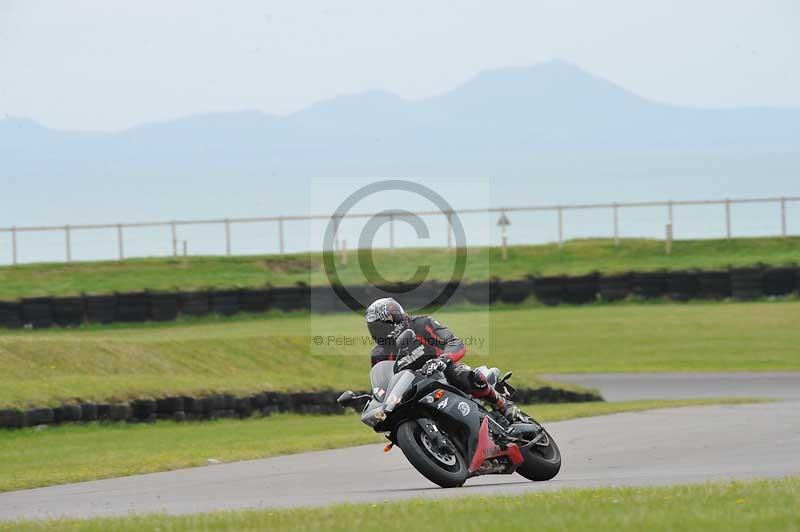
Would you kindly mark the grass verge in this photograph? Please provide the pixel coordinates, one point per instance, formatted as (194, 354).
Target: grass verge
(255, 353)
(722, 506)
(59, 455)
(576, 257)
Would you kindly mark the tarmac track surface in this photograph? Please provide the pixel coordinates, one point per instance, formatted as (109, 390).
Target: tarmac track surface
(658, 447)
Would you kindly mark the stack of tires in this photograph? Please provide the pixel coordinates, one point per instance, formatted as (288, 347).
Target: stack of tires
(615, 287)
(682, 285)
(100, 308)
(582, 289)
(254, 300)
(69, 311)
(163, 306)
(10, 314)
(516, 291)
(194, 303)
(290, 298)
(482, 292)
(415, 298)
(714, 284)
(747, 283)
(224, 302)
(132, 307)
(37, 312)
(650, 285)
(780, 281)
(549, 290)
(325, 299)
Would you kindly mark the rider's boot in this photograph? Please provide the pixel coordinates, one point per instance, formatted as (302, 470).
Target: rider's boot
(503, 405)
(499, 403)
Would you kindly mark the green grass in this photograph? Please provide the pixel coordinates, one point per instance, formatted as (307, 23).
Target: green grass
(256, 353)
(57, 455)
(576, 257)
(721, 506)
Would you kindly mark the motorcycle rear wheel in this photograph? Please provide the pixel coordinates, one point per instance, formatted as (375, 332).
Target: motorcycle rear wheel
(446, 471)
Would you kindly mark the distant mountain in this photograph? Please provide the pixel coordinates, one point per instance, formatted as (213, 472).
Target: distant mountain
(549, 133)
(498, 116)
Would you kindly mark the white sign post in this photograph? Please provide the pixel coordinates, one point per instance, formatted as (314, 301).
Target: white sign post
(504, 222)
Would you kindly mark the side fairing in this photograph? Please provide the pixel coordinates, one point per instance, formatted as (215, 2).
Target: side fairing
(458, 409)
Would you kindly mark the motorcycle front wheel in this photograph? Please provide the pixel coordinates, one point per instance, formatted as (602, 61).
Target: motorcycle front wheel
(446, 469)
(542, 460)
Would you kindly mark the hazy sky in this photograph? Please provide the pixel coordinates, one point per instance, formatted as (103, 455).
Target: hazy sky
(108, 65)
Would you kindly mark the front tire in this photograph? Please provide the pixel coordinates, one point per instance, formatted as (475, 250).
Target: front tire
(542, 462)
(447, 471)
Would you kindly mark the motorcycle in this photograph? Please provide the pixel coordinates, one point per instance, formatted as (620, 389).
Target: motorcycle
(447, 435)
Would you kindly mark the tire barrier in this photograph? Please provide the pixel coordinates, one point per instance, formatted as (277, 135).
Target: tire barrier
(324, 300)
(780, 281)
(163, 306)
(615, 287)
(650, 285)
(548, 290)
(132, 307)
(682, 286)
(714, 285)
(747, 283)
(254, 300)
(742, 284)
(482, 292)
(194, 303)
(101, 308)
(88, 412)
(224, 302)
(10, 314)
(184, 408)
(291, 297)
(37, 312)
(581, 290)
(68, 311)
(515, 291)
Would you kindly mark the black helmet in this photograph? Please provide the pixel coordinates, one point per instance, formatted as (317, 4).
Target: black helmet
(386, 319)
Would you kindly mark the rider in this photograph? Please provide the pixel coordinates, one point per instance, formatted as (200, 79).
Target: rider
(442, 351)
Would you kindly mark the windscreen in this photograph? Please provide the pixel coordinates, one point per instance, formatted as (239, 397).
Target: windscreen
(399, 384)
(379, 376)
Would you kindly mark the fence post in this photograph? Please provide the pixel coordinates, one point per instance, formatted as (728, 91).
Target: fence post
(449, 229)
(391, 233)
(68, 242)
(728, 218)
(174, 239)
(560, 226)
(280, 234)
(336, 221)
(227, 237)
(616, 225)
(14, 246)
(668, 239)
(670, 219)
(783, 216)
(120, 243)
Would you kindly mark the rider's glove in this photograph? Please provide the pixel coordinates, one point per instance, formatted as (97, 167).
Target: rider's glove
(436, 364)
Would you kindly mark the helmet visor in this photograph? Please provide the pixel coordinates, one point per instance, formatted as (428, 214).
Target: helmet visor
(384, 330)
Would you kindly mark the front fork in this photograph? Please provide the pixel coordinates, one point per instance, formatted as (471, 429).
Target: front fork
(439, 440)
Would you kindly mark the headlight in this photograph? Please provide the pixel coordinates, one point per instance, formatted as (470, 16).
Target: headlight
(379, 415)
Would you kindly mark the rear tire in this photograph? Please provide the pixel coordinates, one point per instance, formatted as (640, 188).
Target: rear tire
(410, 438)
(541, 462)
